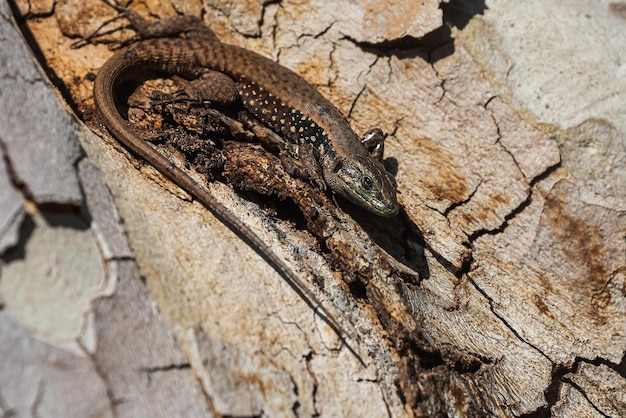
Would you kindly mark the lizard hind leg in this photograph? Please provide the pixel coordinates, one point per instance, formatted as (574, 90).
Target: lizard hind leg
(213, 88)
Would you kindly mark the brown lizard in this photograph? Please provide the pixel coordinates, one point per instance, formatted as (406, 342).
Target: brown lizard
(273, 94)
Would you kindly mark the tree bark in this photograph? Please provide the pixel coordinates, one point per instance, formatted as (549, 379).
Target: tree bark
(498, 290)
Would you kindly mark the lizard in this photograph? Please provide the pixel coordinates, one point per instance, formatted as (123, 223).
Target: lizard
(276, 96)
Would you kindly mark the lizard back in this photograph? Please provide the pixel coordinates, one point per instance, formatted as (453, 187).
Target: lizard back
(277, 96)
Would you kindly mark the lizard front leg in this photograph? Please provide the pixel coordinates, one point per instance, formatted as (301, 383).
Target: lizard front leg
(299, 161)
(305, 164)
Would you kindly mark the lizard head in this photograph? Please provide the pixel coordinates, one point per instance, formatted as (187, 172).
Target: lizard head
(366, 182)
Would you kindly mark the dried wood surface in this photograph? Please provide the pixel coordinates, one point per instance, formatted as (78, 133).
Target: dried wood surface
(499, 289)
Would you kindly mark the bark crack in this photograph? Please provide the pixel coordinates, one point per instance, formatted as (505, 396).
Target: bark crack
(502, 146)
(307, 361)
(300, 330)
(442, 85)
(461, 202)
(113, 402)
(296, 405)
(364, 86)
(584, 395)
(34, 410)
(355, 100)
(166, 368)
(162, 369)
(264, 7)
(385, 400)
(503, 320)
(331, 58)
(314, 35)
(500, 229)
(520, 208)
(12, 173)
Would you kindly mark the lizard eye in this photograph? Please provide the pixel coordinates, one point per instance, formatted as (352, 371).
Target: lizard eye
(367, 182)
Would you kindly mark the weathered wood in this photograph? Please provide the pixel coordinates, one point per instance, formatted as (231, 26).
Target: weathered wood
(35, 128)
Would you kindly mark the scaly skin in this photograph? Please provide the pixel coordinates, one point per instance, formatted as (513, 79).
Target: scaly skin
(275, 95)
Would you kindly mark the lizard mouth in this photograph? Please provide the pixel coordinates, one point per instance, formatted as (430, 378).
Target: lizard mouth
(389, 209)
(376, 202)
(383, 207)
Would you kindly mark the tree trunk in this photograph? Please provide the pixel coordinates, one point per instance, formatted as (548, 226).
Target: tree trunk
(498, 290)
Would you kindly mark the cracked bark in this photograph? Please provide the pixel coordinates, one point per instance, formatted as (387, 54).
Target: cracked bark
(498, 290)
